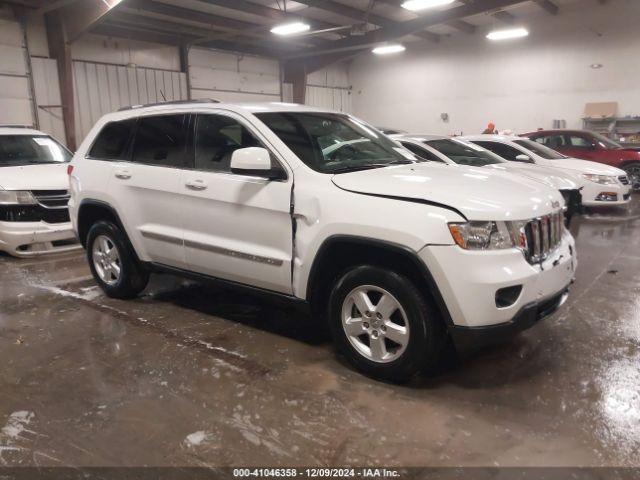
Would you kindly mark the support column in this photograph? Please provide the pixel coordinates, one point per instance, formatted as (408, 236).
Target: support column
(295, 72)
(61, 51)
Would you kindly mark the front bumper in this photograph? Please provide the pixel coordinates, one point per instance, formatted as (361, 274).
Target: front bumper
(28, 239)
(592, 194)
(527, 317)
(469, 281)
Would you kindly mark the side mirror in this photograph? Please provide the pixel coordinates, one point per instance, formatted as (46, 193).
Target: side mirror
(523, 158)
(255, 161)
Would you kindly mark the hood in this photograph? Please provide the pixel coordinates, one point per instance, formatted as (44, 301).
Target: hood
(35, 177)
(477, 193)
(552, 177)
(584, 166)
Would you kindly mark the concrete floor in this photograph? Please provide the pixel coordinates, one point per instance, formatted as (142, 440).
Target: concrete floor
(187, 375)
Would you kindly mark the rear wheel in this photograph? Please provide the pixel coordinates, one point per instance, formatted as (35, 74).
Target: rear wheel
(113, 263)
(383, 325)
(633, 172)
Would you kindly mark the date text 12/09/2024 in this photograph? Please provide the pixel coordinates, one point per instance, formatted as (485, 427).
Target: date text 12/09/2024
(315, 473)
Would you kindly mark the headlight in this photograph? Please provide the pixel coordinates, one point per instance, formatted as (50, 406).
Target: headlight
(489, 235)
(601, 179)
(16, 197)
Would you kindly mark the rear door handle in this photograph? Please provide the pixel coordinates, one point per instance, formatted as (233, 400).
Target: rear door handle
(196, 185)
(123, 174)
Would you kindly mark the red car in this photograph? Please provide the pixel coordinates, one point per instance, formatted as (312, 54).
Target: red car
(592, 146)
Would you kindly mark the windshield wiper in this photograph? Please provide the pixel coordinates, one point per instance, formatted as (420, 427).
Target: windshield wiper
(370, 166)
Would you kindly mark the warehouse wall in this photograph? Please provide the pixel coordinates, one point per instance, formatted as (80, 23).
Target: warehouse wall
(520, 85)
(230, 77)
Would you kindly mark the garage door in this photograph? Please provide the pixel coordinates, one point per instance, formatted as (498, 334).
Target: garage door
(16, 106)
(228, 77)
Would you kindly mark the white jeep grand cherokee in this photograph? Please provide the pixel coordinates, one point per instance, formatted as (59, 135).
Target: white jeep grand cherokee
(319, 208)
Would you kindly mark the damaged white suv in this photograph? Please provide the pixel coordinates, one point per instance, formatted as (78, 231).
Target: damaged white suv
(321, 209)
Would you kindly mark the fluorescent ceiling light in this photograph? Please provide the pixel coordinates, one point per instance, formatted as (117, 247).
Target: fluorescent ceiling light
(387, 49)
(290, 28)
(507, 34)
(415, 5)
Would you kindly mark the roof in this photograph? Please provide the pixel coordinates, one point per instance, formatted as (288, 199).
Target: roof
(496, 138)
(19, 131)
(420, 138)
(253, 107)
(554, 131)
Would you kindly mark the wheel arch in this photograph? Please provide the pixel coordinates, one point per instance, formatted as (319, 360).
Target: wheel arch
(339, 252)
(91, 211)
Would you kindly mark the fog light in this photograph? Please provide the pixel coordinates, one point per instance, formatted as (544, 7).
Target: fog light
(505, 297)
(607, 197)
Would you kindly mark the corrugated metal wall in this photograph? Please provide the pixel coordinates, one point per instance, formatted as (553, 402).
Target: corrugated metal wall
(16, 107)
(233, 78)
(103, 88)
(47, 90)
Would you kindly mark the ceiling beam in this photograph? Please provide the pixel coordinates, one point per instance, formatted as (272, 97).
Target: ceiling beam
(360, 15)
(120, 31)
(463, 26)
(548, 5)
(194, 35)
(240, 27)
(51, 6)
(409, 27)
(505, 17)
(266, 12)
(80, 18)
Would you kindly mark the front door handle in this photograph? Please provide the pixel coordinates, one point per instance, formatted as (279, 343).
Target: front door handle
(196, 185)
(123, 174)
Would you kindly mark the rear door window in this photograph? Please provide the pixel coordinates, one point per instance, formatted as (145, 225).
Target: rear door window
(161, 140)
(501, 149)
(112, 141)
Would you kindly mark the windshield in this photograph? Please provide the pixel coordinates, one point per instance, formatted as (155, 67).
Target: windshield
(19, 150)
(334, 143)
(540, 150)
(605, 142)
(464, 153)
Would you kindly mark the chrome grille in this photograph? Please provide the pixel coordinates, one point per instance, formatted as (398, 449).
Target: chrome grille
(624, 179)
(52, 199)
(544, 235)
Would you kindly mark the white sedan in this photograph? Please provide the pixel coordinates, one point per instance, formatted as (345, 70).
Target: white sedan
(453, 151)
(603, 185)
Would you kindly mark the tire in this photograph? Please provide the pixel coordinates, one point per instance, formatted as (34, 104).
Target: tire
(130, 277)
(424, 339)
(633, 172)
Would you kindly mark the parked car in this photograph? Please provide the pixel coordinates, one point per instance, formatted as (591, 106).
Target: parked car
(453, 151)
(604, 185)
(592, 146)
(34, 217)
(392, 252)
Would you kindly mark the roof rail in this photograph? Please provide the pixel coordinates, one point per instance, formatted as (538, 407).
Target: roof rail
(30, 127)
(174, 102)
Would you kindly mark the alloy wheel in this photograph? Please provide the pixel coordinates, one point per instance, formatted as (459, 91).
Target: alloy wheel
(106, 260)
(375, 323)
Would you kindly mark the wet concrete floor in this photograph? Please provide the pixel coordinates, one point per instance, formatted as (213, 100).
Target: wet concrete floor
(190, 375)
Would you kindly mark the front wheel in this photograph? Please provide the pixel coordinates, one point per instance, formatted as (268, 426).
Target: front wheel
(383, 325)
(633, 172)
(113, 263)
